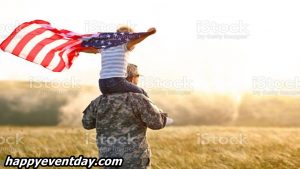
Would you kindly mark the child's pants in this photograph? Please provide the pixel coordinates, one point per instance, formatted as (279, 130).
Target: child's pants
(118, 85)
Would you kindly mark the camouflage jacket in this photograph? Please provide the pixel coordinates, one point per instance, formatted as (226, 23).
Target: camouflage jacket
(121, 122)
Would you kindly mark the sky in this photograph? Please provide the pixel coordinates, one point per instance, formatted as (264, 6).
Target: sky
(218, 46)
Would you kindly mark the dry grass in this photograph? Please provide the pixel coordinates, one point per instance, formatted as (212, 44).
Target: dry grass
(173, 147)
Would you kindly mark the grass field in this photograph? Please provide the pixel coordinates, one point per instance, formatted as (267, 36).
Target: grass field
(172, 148)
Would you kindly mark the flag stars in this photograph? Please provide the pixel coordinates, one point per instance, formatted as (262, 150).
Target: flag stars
(107, 40)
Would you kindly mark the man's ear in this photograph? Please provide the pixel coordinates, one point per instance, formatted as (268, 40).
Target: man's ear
(129, 79)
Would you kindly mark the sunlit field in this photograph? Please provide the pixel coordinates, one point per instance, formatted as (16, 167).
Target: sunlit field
(187, 147)
(211, 131)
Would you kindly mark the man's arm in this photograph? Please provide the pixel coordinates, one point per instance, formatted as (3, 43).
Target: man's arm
(150, 114)
(89, 115)
(131, 44)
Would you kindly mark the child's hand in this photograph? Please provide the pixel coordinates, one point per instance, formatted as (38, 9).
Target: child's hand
(151, 31)
(131, 43)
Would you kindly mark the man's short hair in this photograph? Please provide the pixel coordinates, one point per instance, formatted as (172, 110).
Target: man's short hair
(132, 70)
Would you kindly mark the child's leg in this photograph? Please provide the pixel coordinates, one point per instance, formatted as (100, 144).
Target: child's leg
(119, 85)
(107, 86)
(125, 86)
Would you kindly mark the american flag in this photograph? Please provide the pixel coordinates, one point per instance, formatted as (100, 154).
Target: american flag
(38, 42)
(107, 40)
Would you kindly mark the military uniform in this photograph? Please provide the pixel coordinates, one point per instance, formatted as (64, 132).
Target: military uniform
(121, 122)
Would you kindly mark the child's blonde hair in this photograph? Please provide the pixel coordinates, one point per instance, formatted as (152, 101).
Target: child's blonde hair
(124, 29)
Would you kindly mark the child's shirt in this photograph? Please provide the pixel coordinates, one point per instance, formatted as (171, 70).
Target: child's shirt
(114, 62)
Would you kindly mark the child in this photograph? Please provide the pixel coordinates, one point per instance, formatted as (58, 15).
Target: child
(114, 65)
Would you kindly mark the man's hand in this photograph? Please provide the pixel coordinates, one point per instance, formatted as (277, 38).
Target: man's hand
(169, 121)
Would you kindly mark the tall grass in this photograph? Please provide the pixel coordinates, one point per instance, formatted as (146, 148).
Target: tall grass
(187, 147)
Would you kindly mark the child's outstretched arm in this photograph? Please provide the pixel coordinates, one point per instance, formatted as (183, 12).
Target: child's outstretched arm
(131, 44)
(90, 50)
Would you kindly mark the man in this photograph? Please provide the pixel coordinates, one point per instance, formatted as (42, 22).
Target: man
(133, 76)
(121, 122)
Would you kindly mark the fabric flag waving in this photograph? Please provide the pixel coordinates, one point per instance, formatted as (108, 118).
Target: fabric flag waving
(38, 42)
(107, 40)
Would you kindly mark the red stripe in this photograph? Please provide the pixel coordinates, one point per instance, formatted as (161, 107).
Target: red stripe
(37, 48)
(71, 55)
(38, 22)
(19, 47)
(61, 65)
(5, 43)
(48, 58)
